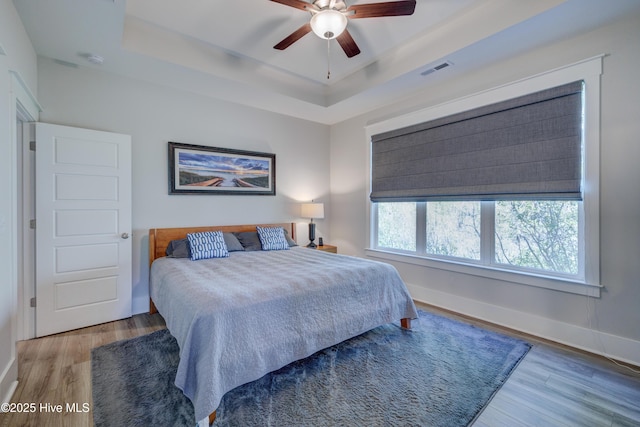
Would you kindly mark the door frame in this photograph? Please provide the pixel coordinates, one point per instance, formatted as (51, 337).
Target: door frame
(25, 108)
(26, 208)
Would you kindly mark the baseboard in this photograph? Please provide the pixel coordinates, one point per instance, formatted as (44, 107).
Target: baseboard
(604, 344)
(8, 381)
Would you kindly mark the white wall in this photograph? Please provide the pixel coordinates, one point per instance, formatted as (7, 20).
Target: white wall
(154, 115)
(557, 315)
(19, 57)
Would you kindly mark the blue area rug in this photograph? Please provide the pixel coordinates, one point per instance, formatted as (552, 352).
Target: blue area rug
(441, 373)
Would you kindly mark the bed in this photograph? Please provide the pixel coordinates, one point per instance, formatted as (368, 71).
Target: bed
(240, 317)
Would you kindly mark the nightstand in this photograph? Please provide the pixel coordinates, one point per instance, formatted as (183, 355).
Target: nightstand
(327, 248)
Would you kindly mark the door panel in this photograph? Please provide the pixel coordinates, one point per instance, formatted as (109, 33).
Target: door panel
(84, 153)
(76, 258)
(84, 186)
(86, 222)
(83, 219)
(83, 292)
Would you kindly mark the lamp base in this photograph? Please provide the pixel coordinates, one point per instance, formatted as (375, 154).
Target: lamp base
(312, 235)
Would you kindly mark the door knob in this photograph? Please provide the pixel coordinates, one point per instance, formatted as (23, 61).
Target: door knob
(125, 235)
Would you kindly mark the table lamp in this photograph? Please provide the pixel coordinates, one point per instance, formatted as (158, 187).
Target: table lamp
(312, 211)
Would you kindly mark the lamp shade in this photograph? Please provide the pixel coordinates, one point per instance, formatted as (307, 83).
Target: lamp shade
(328, 24)
(312, 210)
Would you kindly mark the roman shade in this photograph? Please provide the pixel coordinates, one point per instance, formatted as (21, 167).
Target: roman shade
(528, 147)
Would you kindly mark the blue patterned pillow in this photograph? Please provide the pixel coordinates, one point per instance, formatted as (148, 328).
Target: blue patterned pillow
(208, 244)
(272, 238)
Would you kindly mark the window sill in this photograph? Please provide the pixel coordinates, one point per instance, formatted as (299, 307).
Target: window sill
(540, 281)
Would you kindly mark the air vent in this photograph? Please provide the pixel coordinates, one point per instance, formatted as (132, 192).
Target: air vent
(65, 63)
(436, 68)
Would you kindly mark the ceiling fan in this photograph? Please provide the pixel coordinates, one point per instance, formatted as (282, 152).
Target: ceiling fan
(329, 19)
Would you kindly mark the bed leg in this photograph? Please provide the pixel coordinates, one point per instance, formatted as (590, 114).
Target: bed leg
(405, 323)
(212, 417)
(152, 307)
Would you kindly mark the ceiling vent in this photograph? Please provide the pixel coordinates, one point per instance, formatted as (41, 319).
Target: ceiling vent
(436, 68)
(65, 63)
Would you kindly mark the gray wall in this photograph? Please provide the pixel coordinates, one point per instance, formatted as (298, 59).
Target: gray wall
(553, 314)
(154, 115)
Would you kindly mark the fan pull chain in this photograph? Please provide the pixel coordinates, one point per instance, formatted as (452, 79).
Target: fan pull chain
(328, 59)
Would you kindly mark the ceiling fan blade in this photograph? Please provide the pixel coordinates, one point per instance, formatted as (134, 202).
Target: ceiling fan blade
(348, 44)
(293, 37)
(298, 4)
(375, 10)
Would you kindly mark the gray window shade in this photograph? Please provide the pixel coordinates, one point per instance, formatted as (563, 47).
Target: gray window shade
(523, 148)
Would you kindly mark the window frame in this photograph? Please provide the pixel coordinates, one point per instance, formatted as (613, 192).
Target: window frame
(587, 282)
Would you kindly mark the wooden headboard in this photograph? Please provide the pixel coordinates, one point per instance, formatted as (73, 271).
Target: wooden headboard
(159, 238)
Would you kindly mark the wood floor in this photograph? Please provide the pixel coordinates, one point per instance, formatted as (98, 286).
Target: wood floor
(552, 386)
(57, 370)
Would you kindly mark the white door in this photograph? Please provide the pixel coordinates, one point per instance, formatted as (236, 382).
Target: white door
(83, 224)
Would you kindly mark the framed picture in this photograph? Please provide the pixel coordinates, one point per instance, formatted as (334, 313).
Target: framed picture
(197, 169)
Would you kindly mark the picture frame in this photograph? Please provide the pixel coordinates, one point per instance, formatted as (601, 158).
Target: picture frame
(199, 169)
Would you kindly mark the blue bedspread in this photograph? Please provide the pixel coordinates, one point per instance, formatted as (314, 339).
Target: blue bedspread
(239, 318)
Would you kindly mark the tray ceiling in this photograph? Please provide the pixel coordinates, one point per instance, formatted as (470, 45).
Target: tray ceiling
(225, 49)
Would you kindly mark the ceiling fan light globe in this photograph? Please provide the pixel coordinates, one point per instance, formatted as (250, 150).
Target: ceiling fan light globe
(328, 24)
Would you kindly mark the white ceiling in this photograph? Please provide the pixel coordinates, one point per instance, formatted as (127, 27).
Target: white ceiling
(224, 49)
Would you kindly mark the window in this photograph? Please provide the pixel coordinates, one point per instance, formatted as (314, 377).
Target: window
(447, 215)
(527, 236)
(453, 229)
(397, 229)
(540, 235)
